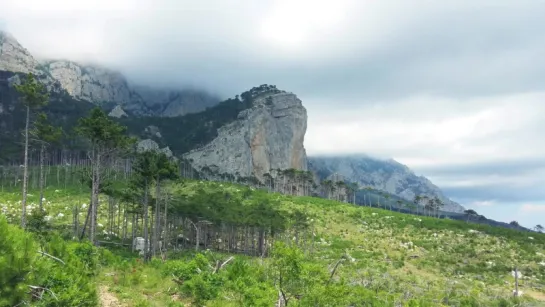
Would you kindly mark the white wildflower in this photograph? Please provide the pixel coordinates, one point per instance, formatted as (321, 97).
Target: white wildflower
(60, 215)
(531, 238)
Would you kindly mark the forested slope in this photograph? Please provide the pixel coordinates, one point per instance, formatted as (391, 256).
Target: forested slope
(315, 251)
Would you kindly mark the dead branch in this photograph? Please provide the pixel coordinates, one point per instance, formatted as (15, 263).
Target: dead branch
(335, 269)
(52, 257)
(219, 267)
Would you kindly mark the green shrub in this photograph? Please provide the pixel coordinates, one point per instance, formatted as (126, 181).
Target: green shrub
(57, 277)
(17, 255)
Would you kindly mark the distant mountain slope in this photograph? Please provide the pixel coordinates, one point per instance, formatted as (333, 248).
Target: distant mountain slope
(102, 86)
(385, 175)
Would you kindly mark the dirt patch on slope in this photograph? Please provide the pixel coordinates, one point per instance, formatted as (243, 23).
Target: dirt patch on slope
(108, 299)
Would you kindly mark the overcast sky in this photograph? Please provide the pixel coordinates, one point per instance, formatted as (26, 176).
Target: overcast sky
(455, 89)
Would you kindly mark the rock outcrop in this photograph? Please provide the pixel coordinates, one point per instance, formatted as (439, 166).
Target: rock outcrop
(14, 57)
(384, 175)
(269, 135)
(151, 145)
(102, 86)
(91, 83)
(117, 112)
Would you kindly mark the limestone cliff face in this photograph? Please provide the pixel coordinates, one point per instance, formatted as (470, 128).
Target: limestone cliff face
(100, 85)
(384, 175)
(14, 57)
(267, 136)
(90, 83)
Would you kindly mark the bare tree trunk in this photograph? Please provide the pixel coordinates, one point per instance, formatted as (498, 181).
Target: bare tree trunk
(166, 228)
(516, 282)
(42, 153)
(86, 221)
(133, 229)
(25, 171)
(157, 218)
(76, 220)
(146, 221)
(95, 191)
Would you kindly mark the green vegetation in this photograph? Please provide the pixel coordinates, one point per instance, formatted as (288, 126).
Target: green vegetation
(45, 270)
(382, 258)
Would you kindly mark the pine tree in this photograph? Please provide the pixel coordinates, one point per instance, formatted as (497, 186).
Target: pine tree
(105, 138)
(33, 95)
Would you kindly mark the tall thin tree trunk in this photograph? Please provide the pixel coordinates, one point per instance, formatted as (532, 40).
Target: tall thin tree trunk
(42, 154)
(146, 220)
(157, 218)
(25, 171)
(95, 191)
(86, 221)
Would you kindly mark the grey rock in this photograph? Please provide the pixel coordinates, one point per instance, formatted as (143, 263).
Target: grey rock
(92, 83)
(152, 131)
(267, 136)
(14, 57)
(146, 145)
(117, 112)
(167, 152)
(384, 175)
(149, 145)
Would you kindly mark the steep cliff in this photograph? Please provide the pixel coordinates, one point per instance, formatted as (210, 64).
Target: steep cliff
(384, 175)
(102, 86)
(14, 57)
(269, 135)
(91, 83)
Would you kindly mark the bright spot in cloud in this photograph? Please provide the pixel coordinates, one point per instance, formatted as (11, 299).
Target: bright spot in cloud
(292, 24)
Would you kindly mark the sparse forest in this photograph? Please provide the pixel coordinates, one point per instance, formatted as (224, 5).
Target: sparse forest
(103, 224)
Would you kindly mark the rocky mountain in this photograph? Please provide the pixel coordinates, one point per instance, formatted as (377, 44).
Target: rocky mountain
(385, 175)
(102, 86)
(262, 131)
(267, 136)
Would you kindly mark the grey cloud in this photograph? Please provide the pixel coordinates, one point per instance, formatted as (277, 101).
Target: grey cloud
(500, 193)
(502, 168)
(455, 49)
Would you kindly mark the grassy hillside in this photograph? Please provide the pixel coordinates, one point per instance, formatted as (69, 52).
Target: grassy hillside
(389, 259)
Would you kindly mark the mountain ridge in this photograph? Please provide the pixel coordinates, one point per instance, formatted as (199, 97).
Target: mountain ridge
(386, 175)
(130, 102)
(101, 85)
